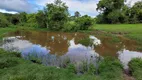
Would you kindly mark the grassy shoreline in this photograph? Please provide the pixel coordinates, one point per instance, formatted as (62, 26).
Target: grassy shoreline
(13, 67)
(5, 30)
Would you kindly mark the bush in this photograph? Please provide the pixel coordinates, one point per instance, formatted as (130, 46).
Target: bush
(70, 26)
(3, 21)
(84, 22)
(80, 23)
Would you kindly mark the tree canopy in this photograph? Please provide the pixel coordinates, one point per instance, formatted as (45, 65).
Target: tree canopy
(57, 15)
(110, 10)
(116, 11)
(3, 21)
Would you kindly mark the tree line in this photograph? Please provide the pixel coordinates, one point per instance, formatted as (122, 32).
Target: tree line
(116, 11)
(55, 16)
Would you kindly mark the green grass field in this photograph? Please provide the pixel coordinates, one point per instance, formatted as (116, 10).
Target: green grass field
(133, 31)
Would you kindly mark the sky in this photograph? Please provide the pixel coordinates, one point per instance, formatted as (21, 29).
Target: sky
(30, 6)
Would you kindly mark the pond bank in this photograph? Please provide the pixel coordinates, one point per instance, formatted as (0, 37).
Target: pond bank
(14, 68)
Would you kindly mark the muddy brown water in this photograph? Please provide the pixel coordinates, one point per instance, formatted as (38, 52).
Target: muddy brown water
(53, 47)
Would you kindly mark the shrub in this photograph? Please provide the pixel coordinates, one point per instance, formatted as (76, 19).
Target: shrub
(70, 26)
(80, 23)
(84, 22)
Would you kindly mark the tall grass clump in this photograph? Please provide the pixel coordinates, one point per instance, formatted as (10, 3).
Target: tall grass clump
(8, 59)
(34, 57)
(135, 66)
(86, 42)
(110, 69)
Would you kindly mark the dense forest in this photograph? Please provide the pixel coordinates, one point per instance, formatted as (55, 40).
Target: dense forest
(55, 16)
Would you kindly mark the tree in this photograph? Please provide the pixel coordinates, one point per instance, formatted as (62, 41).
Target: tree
(136, 12)
(31, 18)
(15, 19)
(3, 21)
(125, 14)
(41, 19)
(109, 5)
(100, 19)
(57, 15)
(110, 10)
(23, 17)
(77, 14)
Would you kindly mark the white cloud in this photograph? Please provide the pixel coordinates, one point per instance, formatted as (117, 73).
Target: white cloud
(84, 7)
(16, 5)
(132, 2)
(10, 12)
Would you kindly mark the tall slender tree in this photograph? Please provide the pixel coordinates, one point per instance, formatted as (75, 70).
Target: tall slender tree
(77, 14)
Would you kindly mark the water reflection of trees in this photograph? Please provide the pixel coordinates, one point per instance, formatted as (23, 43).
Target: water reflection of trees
(109, 48)
(58, 43)
(65, 61)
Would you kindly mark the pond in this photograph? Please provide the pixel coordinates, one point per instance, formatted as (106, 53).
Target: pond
(57, 48)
